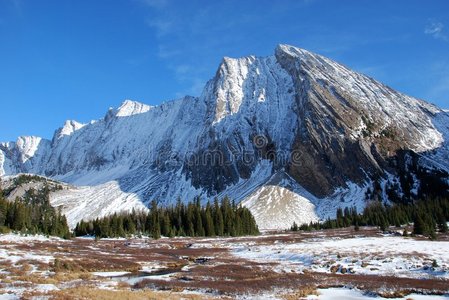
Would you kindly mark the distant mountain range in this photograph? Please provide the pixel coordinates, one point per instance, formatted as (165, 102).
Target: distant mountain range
(292, 136)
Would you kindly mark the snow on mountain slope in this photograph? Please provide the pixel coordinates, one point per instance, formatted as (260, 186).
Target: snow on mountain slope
(253, 95)
(101, 200)
(350, 127)
(70, 126)
(283, 200)
(379, 102)
(129, 108)
(27, 146)
(293, 136)
(439, 157)
(24, 153)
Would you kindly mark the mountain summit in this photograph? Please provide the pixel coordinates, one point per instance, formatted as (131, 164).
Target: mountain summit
(292, 136)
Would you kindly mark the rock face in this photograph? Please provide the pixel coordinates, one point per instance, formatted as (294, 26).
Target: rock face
(349, 123)
(295, 125)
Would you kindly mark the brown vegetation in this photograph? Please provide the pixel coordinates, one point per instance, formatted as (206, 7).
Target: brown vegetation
(223, 274)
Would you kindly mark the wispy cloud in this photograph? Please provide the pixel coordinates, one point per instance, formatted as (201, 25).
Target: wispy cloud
(199, 34)
(436, 30)
(193, 39)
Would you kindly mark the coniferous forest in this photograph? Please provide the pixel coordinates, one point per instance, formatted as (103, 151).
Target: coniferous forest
(221, 218)
(32, 213)
(428, 217)
(427, 208)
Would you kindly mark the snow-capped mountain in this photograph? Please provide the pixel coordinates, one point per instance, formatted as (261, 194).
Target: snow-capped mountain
(293, 136)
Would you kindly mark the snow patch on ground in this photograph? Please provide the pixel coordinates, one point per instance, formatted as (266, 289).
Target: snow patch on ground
(110, 274)
(16, 256)
(353, 294)
(395, 256)
(19, 238)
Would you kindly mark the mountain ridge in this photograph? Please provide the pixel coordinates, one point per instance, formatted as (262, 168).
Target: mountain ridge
(329, 132)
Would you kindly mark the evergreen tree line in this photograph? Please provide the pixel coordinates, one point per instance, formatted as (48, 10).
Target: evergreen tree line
(428, 216)
(32, 214)
(221, 218)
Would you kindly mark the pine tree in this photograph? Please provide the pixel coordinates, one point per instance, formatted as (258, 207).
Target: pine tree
(218, 219)
(383, 224)
(155, 226)
(19, 213)
(228, 217)
(442, 224)
(3, 210)
(166, 225)
(172, 232)
(443, 227)
(294, 227)
(419, 227)
(208, 221)
(198, 221)
(356, 226)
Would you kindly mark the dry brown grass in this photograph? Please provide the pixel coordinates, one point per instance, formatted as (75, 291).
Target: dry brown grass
(94, 263)
(17, 271)
(69, 276)
(225, 275)
(394, 294)
(36, 279)
(301, 293)
(121, 285)
(57, 278)
(7, 281)
(26, 267)
(99, 294)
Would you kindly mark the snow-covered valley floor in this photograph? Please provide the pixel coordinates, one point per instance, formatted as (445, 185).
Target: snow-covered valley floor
(332, 264)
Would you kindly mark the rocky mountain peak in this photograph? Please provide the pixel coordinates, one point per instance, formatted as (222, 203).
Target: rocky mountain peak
(28, 145)
(70, 126)
(130, 107)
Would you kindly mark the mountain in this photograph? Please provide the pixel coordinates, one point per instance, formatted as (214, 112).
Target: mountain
(292, 136)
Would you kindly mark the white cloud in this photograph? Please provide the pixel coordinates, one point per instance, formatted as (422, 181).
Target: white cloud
(436, 30)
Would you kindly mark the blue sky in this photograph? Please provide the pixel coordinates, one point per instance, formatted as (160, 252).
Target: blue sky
(72, 59)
